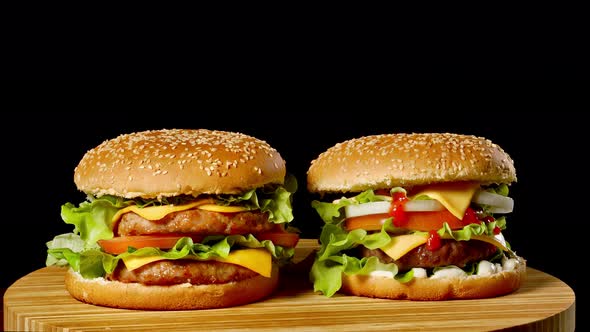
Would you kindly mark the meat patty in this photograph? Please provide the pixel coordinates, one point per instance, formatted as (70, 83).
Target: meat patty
(180, 271)
(196, 221)
(451, 252)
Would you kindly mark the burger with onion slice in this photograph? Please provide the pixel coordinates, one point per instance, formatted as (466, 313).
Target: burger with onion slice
(414, 216)
(177, 219)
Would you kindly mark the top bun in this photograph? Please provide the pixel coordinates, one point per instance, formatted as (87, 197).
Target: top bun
(391, 160)
(171, 162)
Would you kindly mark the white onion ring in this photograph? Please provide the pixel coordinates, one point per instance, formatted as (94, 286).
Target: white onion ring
(423, 205)
(498, 203)
(358, 210)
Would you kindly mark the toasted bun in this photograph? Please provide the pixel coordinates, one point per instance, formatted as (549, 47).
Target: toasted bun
(391, 160)
(429, 289)
(170, 162)
(117, 294)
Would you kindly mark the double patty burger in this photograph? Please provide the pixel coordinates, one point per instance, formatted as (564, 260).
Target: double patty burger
(177, 219)
(414, 216)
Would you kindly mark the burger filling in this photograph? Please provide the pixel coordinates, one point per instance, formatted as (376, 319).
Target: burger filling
(196, 221)
(165, 273)
(457, 253)
(438, 230)
(191, 223)
(208, 239)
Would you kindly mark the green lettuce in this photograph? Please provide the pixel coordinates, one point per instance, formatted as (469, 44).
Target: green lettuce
(333, 212)
(501, 189)
(331, 261)
(276, 200)
(94, 263)
(92, 219)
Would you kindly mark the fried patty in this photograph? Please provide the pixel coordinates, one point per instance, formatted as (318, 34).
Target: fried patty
(197, 222)
(459, 253)
(172, 272)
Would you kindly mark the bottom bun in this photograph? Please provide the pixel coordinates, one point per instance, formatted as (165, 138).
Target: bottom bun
(429, 289)
(117, 294)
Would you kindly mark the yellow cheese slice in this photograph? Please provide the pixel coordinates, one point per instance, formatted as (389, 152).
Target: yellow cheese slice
(133, 263)
(455, 196)
(258, 260)
(159, 212)
(498, 242)
(222, 208)
(402, 244)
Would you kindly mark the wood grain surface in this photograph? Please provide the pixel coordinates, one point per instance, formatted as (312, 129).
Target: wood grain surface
(39, 302)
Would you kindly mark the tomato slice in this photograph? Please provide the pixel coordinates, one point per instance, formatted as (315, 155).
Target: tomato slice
(420, 221)
(283, 239)
(369, 222)
(119, 245)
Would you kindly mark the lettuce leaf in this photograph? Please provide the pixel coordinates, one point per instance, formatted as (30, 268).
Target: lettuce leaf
(94, 263)
(92, 219)
(333, 213)
(331, 262)
(276, 200)
(501, 189)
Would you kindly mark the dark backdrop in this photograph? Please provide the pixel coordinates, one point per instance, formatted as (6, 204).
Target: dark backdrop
(546, 137)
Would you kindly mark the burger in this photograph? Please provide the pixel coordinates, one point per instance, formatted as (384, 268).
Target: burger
(417, 216)
(177, 219)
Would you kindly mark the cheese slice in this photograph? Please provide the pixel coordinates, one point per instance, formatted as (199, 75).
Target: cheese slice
(222, 208)
(402, 244)
(159, 212)
(133, 263)
(455, 196)
(258, 260)
(497, 240)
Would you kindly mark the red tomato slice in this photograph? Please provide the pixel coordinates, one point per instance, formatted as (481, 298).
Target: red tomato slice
(283, 239)
(420, 221)
(119, 245)
(369, 222)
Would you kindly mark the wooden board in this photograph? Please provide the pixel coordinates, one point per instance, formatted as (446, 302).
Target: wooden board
(39, 301)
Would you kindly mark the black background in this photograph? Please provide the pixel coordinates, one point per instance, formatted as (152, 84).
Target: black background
(546, 135)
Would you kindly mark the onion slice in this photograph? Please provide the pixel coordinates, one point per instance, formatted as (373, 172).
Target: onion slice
(357, 210)
(421, 205)
(498, 203)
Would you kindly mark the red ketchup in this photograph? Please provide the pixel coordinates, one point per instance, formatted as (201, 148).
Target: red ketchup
(397, 209)
(434, 242)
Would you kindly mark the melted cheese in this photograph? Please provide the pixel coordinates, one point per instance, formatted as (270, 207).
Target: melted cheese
(222, 208)
(257, 260)
(159, 212)
(133, 263)
(455, 196)
(402, 244)
(497, 240)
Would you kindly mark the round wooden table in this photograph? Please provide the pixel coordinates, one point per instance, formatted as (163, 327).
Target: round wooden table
(40, 302)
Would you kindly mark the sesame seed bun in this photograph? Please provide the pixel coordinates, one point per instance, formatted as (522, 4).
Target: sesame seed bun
(391, 160)
(171, 162)
(118, 294)
(430, 289)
